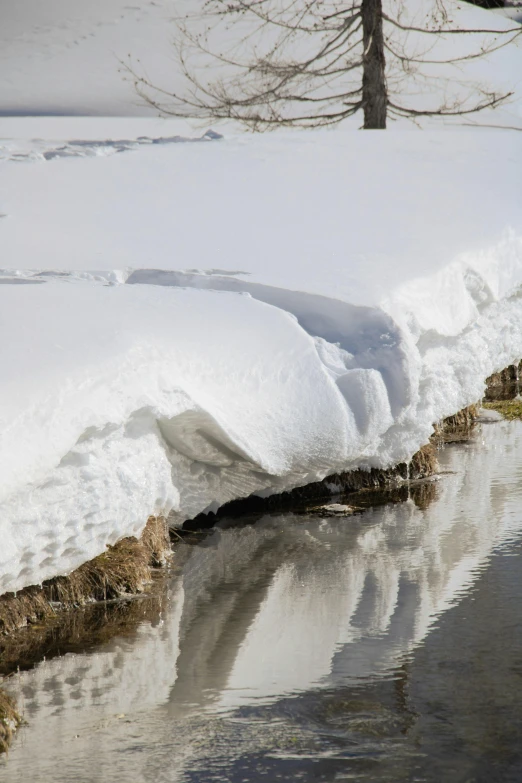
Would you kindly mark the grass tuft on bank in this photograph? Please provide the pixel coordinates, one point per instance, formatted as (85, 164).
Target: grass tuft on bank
(10, 720)
(510, 409)
(124, 569)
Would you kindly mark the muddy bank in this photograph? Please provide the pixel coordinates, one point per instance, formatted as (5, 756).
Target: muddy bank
(58, 633)
(125, 568)
(503, 392)
(503, 385)
(46, 628)
(10, 720)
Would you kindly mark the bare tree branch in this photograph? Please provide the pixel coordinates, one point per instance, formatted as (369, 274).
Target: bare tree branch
(325, 55)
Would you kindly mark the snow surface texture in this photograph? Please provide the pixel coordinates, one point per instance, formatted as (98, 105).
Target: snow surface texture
(355, 290)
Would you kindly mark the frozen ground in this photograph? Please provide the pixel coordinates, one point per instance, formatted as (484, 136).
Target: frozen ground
(322, 300)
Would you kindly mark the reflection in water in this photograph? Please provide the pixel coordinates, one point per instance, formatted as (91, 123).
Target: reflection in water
(288, 645)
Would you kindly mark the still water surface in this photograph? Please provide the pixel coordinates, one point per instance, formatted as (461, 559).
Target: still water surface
(386, 646)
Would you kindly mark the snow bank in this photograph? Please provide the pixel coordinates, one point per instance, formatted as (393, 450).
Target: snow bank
(123, 401)
(323, 300)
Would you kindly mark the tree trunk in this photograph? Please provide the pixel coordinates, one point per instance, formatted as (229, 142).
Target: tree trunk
(374, 94)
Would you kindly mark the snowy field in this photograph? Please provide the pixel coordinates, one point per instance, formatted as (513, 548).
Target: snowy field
(69, 57)
(266, 311)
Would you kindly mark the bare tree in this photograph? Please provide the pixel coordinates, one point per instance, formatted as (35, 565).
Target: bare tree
(314, 63)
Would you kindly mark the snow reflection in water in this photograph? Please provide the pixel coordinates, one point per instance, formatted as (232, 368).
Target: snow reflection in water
(262, 620)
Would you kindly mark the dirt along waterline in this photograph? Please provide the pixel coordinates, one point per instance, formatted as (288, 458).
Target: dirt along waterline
(379, 646)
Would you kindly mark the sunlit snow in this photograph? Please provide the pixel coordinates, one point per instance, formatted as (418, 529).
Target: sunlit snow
(323, 299)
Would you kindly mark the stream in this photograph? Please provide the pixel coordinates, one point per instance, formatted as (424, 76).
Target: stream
(381, 646)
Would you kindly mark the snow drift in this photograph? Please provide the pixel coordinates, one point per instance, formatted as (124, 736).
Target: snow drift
(322, 300)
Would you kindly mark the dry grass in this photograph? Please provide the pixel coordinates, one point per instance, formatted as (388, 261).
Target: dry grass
(424, 463)
(510, 409)
(457, 427)
(9, 721)
(464, 418)
(156, 541)
(503, 385)
(88, 626)
(28, 606)
(508, 375)
(123, 569)
(423, 493)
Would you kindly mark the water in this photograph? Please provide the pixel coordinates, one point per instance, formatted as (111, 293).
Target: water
(386, 646)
